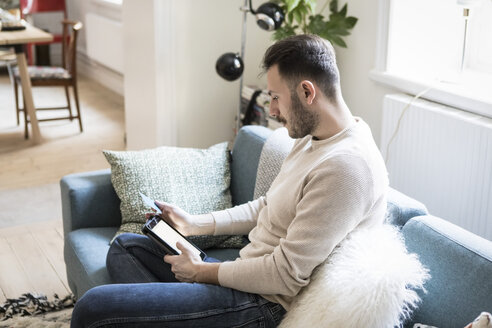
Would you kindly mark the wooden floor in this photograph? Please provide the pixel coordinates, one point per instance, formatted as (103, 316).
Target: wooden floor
(64, 148)
(31, 258)
(31, 255)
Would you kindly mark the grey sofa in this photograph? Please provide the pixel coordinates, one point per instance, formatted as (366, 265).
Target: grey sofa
(459, 262)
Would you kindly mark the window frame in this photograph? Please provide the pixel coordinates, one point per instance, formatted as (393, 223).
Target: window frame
(114, 6)
(460, 97)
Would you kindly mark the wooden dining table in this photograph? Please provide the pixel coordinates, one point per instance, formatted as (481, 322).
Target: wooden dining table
(17, 39)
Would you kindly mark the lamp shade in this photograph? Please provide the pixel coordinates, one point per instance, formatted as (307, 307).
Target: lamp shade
(229, 66)
(269, 16)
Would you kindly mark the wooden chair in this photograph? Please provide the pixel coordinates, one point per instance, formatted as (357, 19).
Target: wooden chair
(7, 58)
(65, 76)
(28, 8)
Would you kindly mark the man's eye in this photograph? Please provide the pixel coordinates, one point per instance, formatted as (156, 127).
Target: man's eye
(275, 98)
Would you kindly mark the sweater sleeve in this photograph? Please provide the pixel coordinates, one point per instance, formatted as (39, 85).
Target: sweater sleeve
(238, 220)
(333, 201)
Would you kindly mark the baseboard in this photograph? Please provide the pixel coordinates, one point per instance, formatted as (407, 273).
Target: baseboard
(107, 77)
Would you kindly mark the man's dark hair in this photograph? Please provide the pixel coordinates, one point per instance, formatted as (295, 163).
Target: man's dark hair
(305, 56)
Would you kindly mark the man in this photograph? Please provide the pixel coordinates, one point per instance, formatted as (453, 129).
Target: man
(333, 181)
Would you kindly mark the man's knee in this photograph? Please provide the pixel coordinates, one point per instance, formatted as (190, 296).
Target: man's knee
(121, 244)
(126, 240)
(90, 308)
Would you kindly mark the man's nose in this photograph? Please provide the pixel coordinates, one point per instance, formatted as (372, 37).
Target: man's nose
(274, 109)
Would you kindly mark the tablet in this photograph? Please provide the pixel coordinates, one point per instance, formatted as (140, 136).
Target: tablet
(166, 237)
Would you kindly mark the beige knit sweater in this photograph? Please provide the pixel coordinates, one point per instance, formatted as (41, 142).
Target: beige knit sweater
(324, 190)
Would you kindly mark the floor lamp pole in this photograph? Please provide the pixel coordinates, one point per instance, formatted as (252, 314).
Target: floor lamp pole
(245, 10)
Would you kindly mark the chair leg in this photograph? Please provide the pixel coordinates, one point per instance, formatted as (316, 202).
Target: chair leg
(69, 105)
(76, 95)
(10, 71)
(26, 130)
(30, 55)
(16, 95)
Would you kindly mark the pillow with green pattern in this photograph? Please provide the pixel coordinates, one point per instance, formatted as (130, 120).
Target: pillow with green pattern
(197, 180)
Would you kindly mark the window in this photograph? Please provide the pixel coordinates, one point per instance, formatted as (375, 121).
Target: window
(115, 4)
(423, 45)
(480, 49)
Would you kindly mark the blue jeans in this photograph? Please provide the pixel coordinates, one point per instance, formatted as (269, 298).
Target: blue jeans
(146, 294)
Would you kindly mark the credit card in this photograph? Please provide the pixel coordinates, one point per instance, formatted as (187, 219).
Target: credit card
(150, 203)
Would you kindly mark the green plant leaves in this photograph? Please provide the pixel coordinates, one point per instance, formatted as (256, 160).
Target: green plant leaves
(284, 31)
(343, 11)
(298, 16)
(292, 4)
(316, 25)
(311, 4)
(351, 21)
(337, 40)
(334, 6)
(301, 18)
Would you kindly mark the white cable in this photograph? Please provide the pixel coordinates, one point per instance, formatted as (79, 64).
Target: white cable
(407, 106)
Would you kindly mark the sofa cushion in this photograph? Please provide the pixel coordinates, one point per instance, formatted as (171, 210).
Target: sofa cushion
(45, 73)
(460, 265)
(196, 180)
(223, 254)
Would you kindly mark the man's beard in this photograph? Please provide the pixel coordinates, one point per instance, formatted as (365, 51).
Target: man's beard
(302, 121)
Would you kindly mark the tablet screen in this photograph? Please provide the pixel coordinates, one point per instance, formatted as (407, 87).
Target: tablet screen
(171, 237)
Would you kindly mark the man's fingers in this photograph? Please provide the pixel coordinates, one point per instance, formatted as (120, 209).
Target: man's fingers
(149, 216)
(169, 259)
(162, 205)
(182, 247)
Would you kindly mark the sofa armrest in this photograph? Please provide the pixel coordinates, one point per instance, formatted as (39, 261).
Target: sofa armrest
(460, 265)
(89, 200)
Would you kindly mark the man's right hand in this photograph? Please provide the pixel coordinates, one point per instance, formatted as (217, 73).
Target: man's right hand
(184, 222)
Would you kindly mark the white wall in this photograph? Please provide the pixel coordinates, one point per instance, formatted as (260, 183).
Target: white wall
(206, 103)
(363, 96)
(78, 10)
(177, 89)
(197, 60)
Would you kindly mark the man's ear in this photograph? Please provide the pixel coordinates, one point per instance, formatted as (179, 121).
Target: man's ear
(308, 91)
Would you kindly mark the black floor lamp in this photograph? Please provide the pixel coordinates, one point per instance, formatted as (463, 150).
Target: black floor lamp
(230, 66)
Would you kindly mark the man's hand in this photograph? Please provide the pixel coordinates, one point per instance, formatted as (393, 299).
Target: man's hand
(189, 267)
(187, 224)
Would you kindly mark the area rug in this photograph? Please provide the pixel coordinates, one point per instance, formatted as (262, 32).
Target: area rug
(34, 310)
(58, 319)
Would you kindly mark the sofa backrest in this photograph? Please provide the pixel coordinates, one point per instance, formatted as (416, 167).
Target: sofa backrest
(245, 157)
(460, 265)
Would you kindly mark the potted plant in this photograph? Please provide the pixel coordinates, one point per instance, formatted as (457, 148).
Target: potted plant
(300, 17)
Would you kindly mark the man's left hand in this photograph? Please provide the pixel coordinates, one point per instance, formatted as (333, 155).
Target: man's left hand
(185, 266)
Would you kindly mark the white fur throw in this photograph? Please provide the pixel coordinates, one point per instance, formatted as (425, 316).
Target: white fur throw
(367, 281)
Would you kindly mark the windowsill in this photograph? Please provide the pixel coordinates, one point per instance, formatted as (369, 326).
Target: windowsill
(114, 5)
(465, 96)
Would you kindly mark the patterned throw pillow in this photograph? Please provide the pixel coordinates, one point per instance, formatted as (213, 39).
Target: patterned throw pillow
(197, 180)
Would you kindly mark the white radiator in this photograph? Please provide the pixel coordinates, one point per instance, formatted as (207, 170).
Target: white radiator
(105, 41)
(442, 157)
